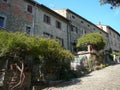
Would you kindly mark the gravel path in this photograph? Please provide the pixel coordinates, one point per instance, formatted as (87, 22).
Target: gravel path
(105, 79)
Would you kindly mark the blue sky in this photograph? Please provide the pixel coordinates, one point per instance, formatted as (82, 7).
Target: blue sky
(91, 11)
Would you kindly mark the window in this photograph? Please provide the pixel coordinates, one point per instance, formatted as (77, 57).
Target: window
(111, 43)
(28, 30)
(74, 29)
(47, 35)
(29, 8)
(61, 41)
(73, 17)
(5, 0)
(58, 25)
(2, 20)
(46, 19)
(93, 28)
(82, 22)
(110, 33)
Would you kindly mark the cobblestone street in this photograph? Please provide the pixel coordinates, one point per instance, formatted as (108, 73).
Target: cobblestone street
(105, 79)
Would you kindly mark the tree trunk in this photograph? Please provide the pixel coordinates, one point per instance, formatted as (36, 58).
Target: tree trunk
(89, 48)
(17, 81)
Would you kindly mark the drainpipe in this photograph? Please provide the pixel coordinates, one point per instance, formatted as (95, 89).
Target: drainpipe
(69, 36)
(34, 19)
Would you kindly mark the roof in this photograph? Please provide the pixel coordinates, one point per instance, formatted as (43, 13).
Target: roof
(80, 17)
(111, 29)
(47, 9)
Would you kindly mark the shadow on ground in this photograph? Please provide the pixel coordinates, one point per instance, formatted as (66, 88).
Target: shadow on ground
(69, 83)
(72, 82)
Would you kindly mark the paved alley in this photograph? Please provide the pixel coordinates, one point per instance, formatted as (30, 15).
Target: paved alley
(104, 79)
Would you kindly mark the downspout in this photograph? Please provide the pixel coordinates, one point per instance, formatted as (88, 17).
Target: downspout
(34, 19)
(68, 36)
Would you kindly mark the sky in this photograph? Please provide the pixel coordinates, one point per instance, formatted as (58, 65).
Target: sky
(90, 10)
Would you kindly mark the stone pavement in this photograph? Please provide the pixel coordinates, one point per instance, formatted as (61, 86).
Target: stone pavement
(104, 79)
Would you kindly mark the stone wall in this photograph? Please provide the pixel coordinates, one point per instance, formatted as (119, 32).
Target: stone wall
(16, 15)
(17, 18)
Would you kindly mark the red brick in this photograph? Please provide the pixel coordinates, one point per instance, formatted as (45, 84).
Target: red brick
(17, 11)
(29, 17)
(4, 7)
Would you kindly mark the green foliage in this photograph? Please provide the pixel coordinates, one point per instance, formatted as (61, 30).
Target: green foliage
(94, 39)
(32, 45)
(49, 53)
(104, 65)
(66, 73)
(8, 41)
(93, 62)
(116, 53)
(113, 3)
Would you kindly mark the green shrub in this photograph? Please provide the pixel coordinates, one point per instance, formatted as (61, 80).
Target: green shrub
(48, 52)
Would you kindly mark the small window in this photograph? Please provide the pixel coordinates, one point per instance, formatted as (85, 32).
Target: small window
(74, 29)
(46, 19)
(2, 20)
(82, 22)
(47, 35)
(58, 24)
(28, 30)
(29, 8)
(73, 17)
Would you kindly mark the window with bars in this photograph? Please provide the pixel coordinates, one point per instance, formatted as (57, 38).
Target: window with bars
(47, 19)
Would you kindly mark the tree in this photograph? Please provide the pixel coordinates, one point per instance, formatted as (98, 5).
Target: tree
(114, 3)
(95, 43)
(21, 53)
(95, 40)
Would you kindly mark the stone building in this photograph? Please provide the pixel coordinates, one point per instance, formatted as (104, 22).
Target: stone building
(113, 37)
(80, 26)
(62, 24)
(15, 15)
(33, 18)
